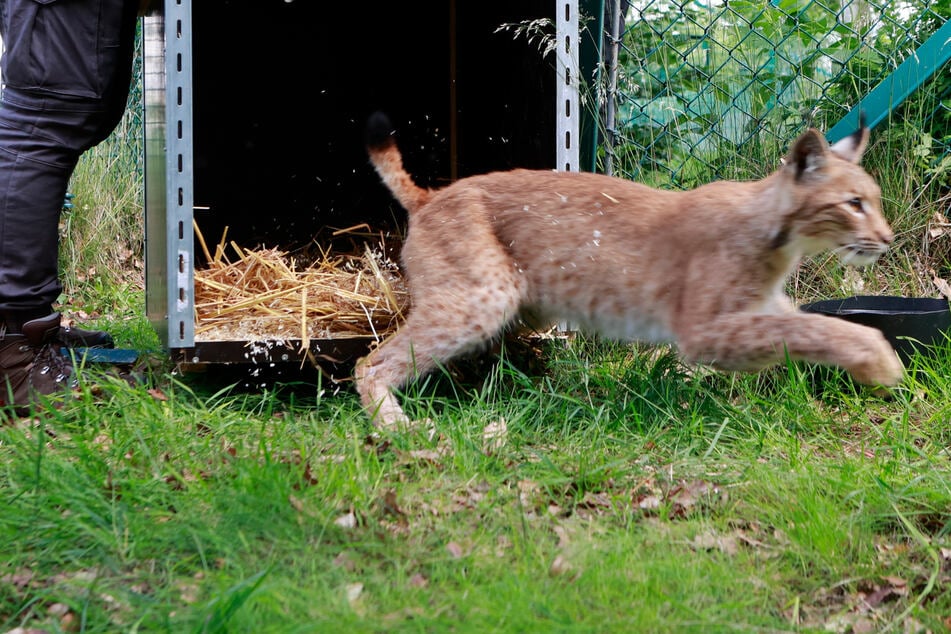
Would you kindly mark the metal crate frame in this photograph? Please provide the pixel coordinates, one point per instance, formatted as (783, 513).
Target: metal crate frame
(169, 190)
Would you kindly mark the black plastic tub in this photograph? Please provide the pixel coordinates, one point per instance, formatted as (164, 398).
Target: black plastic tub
(909, 323)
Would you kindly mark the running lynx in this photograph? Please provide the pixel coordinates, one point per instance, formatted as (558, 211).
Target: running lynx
(703, 269)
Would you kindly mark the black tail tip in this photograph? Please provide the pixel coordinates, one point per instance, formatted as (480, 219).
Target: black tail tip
(379, 130)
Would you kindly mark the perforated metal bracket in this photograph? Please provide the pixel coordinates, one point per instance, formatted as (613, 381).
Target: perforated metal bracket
(568, 114)
(179, 176)
(567, 96)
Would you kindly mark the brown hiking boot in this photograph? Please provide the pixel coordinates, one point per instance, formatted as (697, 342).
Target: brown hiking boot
(32, 364)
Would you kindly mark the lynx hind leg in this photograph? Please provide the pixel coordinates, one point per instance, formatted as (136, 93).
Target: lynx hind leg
(442, 325)
(750, 342)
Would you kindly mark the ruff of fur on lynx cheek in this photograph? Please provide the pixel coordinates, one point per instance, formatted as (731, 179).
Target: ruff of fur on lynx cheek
(703, 269)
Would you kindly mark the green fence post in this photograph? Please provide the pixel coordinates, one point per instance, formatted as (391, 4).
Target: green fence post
(904, 80)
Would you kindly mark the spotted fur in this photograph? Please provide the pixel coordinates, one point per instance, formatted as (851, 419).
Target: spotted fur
(704, 269)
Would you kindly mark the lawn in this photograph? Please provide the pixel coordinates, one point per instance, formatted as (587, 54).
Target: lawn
(614, 490)
(591, 487)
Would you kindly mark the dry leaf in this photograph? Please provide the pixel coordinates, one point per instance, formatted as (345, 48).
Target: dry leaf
(528, 492)
(58, 609)
(911, 625)
(897, 582)
(938, 226)
(354, 590)
(390, 504)
(559, 566)
(852, 282)
(20, 578)
(494, 436)
(593, 500)
(432, 456)
(943, 287)
(346, 521)
(345, 561)
(454, 549)
(188, 592)
(686, 495)
(711, 540)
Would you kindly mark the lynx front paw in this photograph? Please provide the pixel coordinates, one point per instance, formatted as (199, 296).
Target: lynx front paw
(882, 369)
(378, 401)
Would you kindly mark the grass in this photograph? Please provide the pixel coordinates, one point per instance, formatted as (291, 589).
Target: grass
(625, 492)
(628, 493)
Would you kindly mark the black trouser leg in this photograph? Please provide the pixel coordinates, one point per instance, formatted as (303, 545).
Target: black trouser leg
(34, 174)
(67, 69)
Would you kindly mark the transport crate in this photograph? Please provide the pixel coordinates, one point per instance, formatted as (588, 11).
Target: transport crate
(254, 115)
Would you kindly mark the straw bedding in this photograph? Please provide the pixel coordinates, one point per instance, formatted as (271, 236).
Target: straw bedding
(266, 294)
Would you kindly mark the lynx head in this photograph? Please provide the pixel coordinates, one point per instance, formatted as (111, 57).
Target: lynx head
(835, 203)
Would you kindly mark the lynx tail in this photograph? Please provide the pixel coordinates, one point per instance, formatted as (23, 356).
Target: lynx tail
(388, 162)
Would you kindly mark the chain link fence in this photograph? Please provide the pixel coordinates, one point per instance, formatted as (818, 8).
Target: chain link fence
(707, 88)
(702, 89)
(128, 139)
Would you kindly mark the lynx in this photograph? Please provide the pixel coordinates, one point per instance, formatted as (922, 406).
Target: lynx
(702, 269)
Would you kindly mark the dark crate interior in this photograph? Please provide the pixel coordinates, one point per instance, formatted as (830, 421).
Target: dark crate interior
(282, 90)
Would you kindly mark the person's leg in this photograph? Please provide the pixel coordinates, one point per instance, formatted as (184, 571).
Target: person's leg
(66, 69)
(35, 167)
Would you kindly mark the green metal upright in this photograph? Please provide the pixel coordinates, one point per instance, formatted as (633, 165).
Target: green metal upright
(894, 89)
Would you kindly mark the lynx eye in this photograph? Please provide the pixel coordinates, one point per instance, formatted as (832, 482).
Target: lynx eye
(856, 205)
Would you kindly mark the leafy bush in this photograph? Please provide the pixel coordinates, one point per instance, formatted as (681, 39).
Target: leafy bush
(711, 89)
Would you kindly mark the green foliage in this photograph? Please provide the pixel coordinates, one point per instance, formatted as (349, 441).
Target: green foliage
(705, 86)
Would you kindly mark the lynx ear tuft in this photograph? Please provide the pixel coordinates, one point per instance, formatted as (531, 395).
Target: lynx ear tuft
(808, 154)
(852, 147)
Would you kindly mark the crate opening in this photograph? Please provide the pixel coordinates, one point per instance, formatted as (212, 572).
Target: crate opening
(279, 101)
